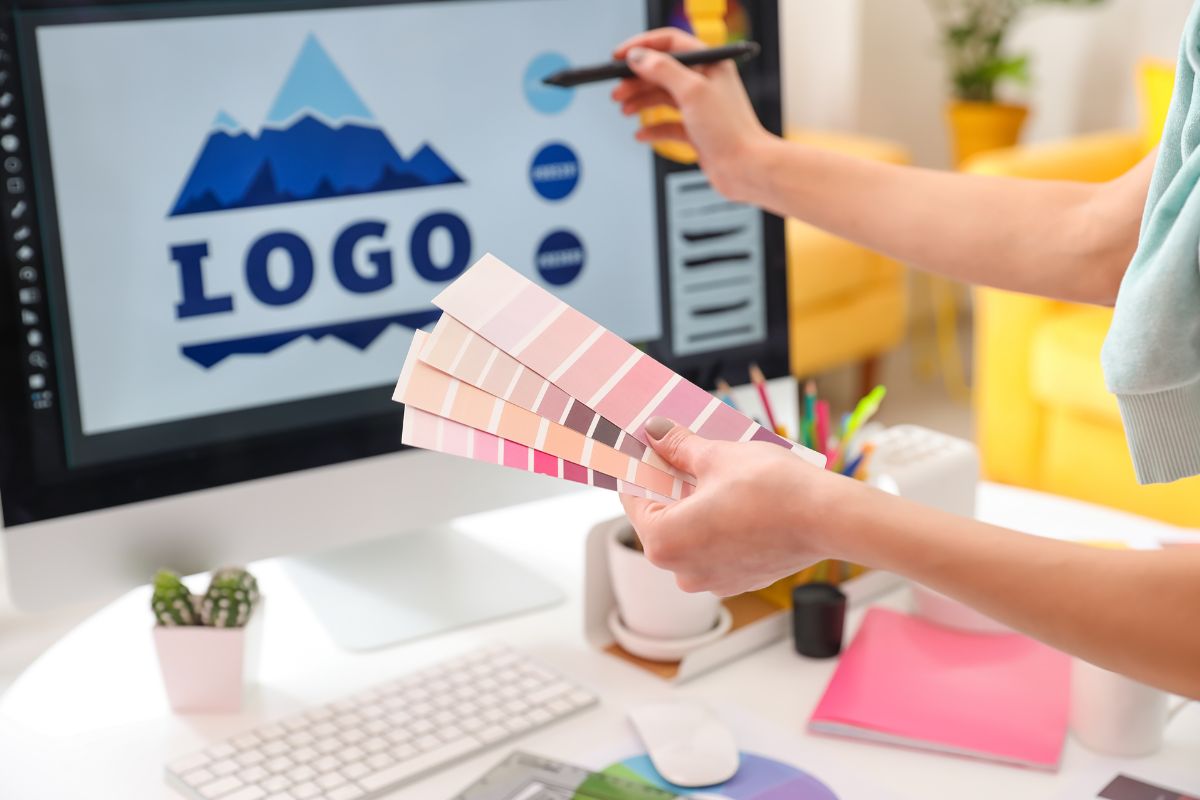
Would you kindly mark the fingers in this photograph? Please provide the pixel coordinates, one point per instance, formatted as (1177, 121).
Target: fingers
(639, 510)
(652, 98)
(666, 132)
(680, 447)
(664, 70)
(668, 39)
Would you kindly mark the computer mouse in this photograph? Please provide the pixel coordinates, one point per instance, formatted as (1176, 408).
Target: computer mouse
(687, 744)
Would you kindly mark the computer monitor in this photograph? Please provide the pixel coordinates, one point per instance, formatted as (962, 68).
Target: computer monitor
(223, 220)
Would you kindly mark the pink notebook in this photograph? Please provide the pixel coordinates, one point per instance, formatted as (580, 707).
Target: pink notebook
(908, 682)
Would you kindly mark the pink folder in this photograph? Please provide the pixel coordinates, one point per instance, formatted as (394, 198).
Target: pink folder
(908, 682)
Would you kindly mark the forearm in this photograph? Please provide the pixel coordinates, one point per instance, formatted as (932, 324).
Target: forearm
(1134, 612)
(1054, 238)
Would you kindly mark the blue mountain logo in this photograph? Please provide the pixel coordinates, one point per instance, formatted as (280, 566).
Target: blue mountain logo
(319, 141)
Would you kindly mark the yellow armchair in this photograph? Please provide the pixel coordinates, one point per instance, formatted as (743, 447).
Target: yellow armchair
(1044, 416)
(846, 304)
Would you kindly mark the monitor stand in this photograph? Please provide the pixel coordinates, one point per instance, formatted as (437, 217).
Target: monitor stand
(394, 590)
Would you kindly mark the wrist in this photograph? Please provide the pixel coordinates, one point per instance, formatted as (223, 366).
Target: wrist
(743, 174)
(834, 521)
(759, 165)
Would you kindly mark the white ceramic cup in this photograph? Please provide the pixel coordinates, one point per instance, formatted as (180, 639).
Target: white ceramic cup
(650, 601)
(1115, 715)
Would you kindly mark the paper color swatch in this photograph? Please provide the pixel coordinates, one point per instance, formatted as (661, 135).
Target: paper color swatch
(513, 376)
(441, 435)
(588, 362)
(910, 682)
(430, 390)
(456, 350)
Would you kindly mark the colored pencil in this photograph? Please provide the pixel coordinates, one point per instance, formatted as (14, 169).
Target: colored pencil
(760, 382)
(725, 392)
(822, 442)
(808, 424)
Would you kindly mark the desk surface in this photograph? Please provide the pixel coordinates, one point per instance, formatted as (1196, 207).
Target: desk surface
(89, 718)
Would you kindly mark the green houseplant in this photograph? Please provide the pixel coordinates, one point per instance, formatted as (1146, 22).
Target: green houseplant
(208, 643)
(974, 37)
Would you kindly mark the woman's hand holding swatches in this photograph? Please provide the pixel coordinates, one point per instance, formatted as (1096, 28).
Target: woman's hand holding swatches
(754, 519)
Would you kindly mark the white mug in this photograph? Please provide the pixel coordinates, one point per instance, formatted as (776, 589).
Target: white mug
(1115, 715)
(650, 601)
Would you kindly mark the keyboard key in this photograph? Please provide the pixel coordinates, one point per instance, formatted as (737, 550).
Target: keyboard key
(223, 750)
(188, 763)
(224, 767)
(246, 793)
(250, 758)
(198, 777)
(331, 781)
(276, 748)
(422, 763)
(246, 741)
(326, 764)
(349, 792)
(253, 774)
(276, 783)
(380, 760)
(221, 786)
(305, 790)
(402, 752)
(269, 732)
(355, 771)
(302, 773)
(375, 744)
(351, 754)
(493, 734)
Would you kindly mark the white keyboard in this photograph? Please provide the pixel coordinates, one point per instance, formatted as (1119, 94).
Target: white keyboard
(372, 742)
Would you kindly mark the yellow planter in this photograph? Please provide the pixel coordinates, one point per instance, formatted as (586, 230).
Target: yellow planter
(978, 127)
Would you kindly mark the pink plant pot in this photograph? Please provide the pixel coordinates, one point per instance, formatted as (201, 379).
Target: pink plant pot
(205, 670)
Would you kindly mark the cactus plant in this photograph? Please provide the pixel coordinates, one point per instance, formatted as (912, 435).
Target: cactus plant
(230, 598)
(172, 603)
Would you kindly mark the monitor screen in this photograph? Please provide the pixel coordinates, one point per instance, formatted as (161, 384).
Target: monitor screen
(239, 212)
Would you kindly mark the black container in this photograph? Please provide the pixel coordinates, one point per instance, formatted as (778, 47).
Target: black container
(818, 619)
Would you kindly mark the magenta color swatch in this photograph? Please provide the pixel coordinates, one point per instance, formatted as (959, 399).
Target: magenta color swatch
(574, 472)
(545, 464)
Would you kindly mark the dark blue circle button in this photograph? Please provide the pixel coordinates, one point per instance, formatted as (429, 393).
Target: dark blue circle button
(560, 258)
(554, 172)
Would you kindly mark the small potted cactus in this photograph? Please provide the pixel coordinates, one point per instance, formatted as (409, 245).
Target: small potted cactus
(207, 644)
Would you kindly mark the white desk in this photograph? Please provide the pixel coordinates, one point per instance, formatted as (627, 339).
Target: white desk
(89, 719)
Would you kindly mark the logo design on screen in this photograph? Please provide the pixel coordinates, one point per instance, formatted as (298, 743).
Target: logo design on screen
(319, 141)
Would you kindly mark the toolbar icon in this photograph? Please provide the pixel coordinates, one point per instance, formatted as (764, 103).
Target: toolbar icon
(16, 185)
(18, 210)
(29, 296)
(27, 274)
(21, 233)
(12, 164)
(10, 143)
(8, 122)
(28, 317)
(35, 338)
(38, 359)
(37, 381)
(25, 252)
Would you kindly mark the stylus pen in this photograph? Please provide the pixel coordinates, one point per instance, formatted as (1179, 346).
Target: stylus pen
(742, 51)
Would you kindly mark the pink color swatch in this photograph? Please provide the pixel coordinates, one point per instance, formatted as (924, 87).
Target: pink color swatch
(551, 339)
(456, 350)
(431, 432)
(909, 682)
(428, 389)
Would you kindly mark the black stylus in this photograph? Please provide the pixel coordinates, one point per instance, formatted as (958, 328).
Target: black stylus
(742, 51)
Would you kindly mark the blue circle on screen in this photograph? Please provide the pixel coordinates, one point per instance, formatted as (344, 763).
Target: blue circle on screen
(554, 172)
(560, 258)
(543, 98)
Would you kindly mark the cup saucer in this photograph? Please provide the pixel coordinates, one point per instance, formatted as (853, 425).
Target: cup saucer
(665, 649)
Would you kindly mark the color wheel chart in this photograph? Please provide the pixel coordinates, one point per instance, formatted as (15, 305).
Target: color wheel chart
(758, 778)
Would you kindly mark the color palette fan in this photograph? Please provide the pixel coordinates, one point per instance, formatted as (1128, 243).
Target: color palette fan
(512, 375)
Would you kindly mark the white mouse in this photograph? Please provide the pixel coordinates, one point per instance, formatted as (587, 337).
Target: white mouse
(687, 745)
